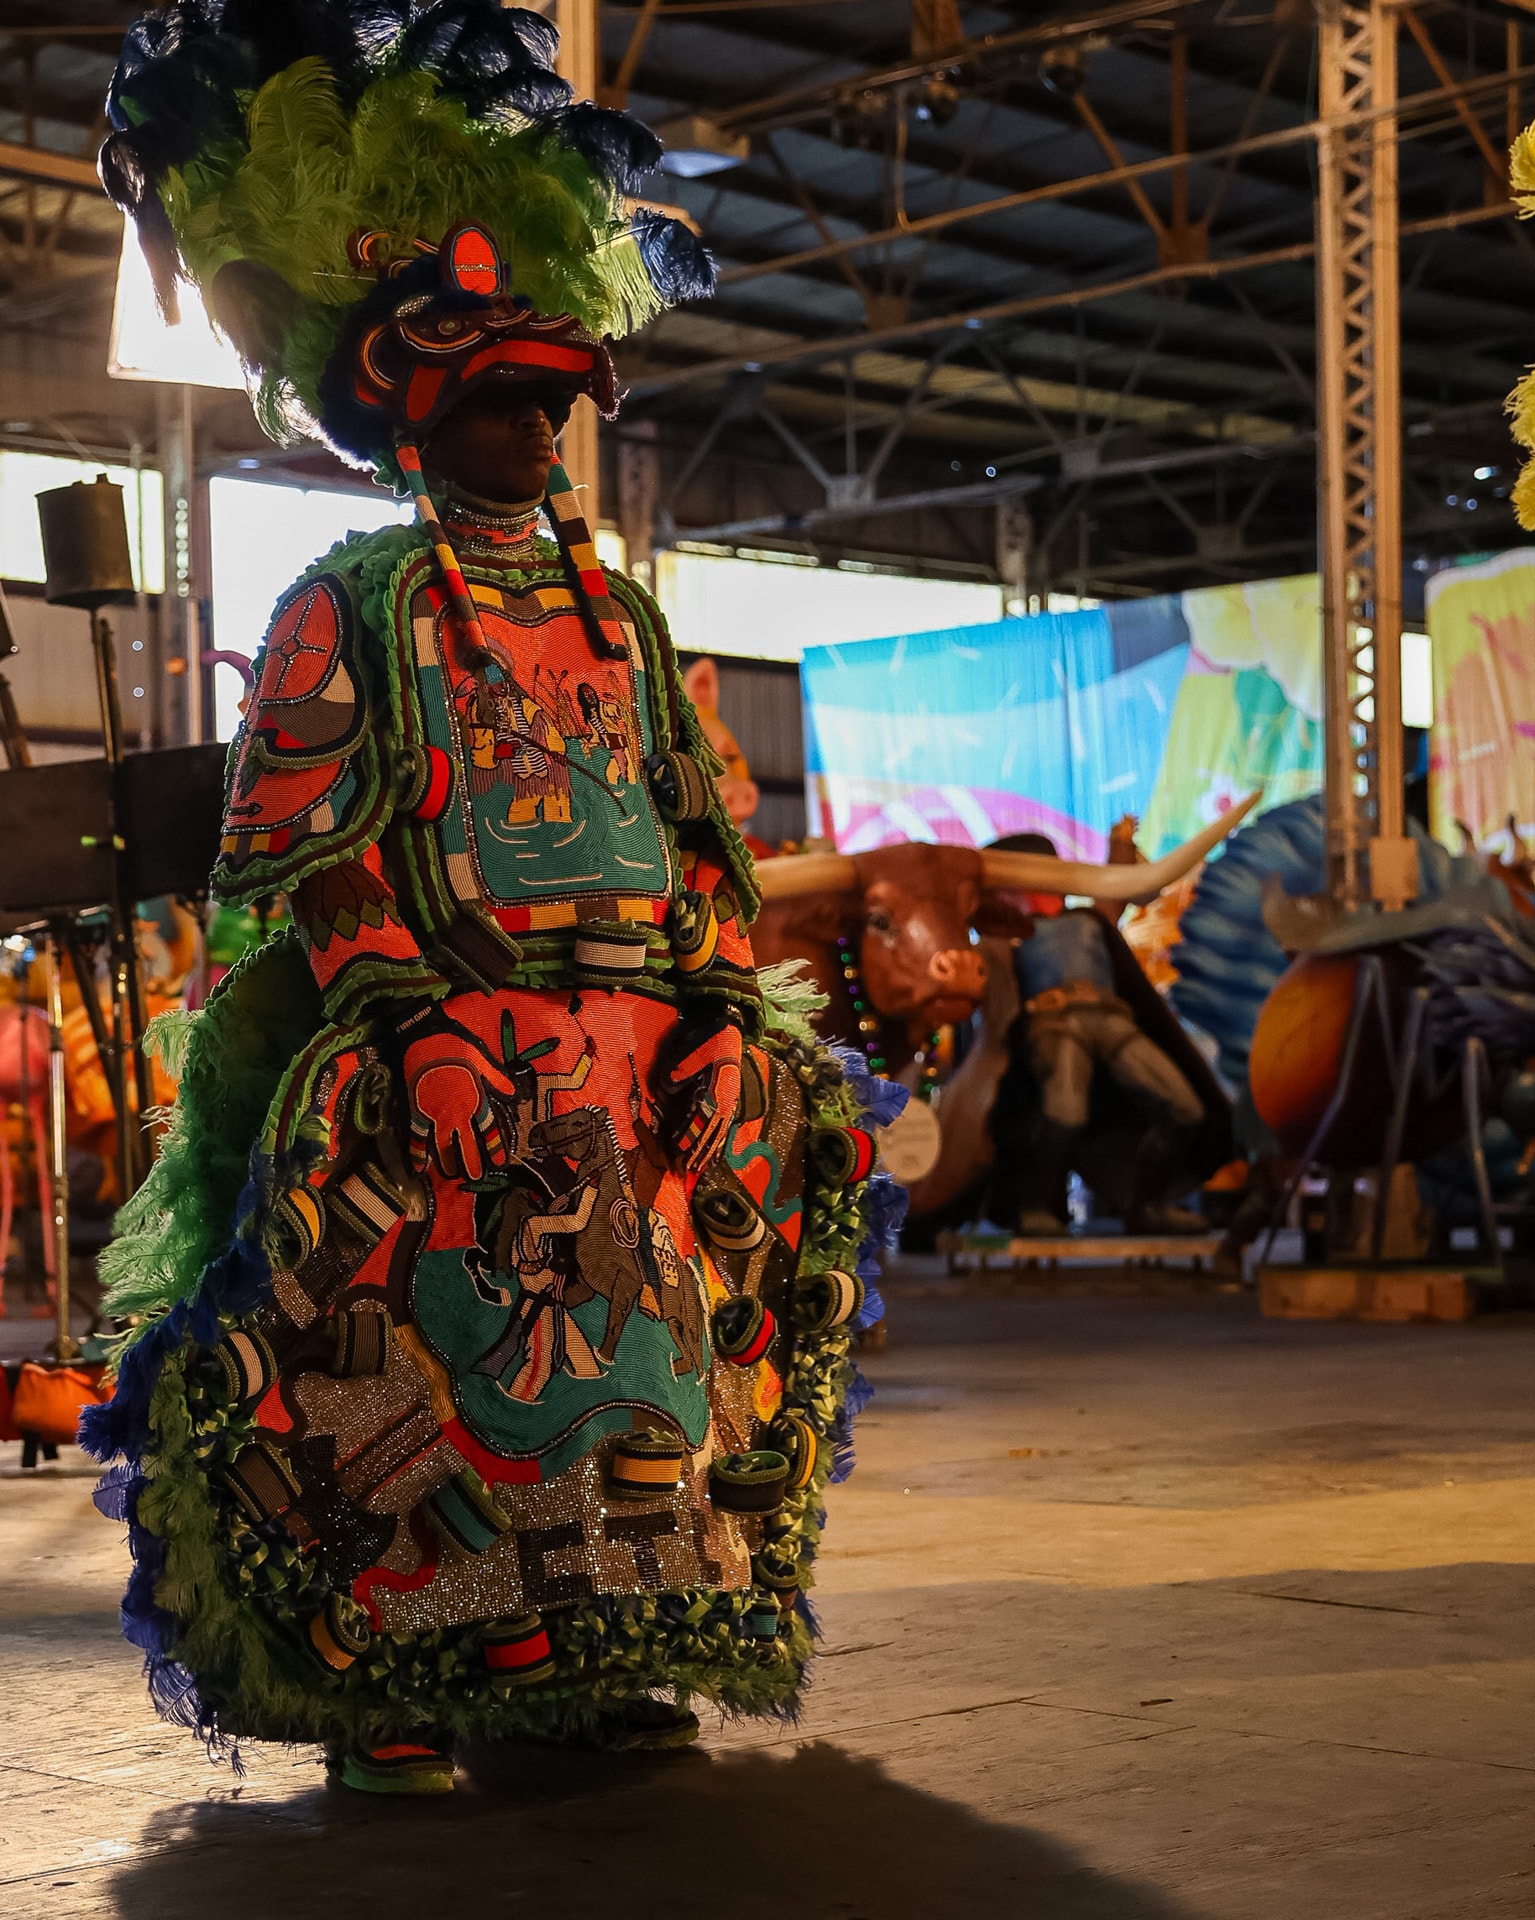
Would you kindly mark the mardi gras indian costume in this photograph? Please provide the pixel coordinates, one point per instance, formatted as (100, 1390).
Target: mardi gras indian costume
(492, 1294)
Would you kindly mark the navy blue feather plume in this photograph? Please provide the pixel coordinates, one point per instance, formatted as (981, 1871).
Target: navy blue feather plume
(117, 1491)
(679, 264)
(378, 25)
(279, 32)
(620, 147)
(176, 103)
(466, 35)
(487, 56)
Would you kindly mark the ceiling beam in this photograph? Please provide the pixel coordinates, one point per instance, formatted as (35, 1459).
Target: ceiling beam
(980, 493)
(783, 109)
(1050, 190)
(976, 319)
(1123, 175)
(53, 169)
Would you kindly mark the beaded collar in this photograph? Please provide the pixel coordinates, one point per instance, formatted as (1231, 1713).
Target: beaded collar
(476, 526)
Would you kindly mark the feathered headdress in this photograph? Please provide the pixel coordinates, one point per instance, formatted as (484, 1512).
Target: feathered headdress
(304, 162)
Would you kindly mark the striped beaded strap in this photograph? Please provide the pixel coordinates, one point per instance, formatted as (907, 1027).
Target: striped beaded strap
(827, 1300)
(729, 1222)
(362, 1343)
(452, 573)
(575, 541)
(249, 1364)
(610, 953)
(262, 1482)
(339, 1632)
(464, 1513)
(695, 932)
(574, 537)
(841, 1156)
(792, 1435)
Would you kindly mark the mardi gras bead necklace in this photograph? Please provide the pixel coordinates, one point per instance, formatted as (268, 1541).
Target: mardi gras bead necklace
(929, 1058)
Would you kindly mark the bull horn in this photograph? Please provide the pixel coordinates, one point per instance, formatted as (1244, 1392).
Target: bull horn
(1044, 873)
(790, 874)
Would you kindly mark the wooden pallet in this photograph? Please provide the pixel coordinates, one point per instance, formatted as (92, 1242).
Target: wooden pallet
(978, 1252)
(1369, 1293)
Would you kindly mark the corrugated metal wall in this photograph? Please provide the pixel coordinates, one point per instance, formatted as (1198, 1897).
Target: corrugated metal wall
(760, 703)
(53, 675)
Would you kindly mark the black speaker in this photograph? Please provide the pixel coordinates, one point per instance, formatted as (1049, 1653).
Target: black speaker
(85, 545)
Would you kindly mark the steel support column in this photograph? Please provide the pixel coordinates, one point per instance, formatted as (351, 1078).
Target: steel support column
(182, 718)
(1359, 445)
(580, 62)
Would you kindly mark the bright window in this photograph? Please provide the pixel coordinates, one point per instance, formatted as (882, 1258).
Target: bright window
(23, 476)
(264, 537)
(1417, 680)
(773, 610)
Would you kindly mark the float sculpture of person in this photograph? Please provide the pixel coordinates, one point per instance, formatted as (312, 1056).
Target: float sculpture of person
(489, 1305)
(1102, 1080)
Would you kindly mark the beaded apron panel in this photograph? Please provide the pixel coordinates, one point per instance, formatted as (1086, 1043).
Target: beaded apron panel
(551, 810)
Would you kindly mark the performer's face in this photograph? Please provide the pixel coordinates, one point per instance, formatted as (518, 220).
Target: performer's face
(497, 442)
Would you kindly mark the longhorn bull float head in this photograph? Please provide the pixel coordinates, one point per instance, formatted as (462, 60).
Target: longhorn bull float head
(791, 875)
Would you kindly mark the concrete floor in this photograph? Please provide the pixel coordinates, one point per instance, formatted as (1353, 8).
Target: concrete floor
(1138, 1608)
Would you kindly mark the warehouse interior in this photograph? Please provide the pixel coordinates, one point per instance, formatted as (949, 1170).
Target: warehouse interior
(1150, 1598)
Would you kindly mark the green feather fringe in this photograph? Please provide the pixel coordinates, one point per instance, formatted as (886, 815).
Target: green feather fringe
(242, 1598)
(231, 1057)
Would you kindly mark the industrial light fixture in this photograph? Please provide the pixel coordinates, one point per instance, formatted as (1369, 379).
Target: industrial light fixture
(1063, 70)
(938, 101)
(697, 145)
(858, 119)
(145, 347)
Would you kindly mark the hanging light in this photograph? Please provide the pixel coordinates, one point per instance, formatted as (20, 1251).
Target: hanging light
(145, 347)
(939, 101)
(697, 146)
(1063, 70)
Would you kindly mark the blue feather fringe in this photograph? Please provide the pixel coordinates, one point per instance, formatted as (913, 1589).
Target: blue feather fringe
(879, 1099)
(843, 1458)
(145, 1623)
(235, 1283)
(117, 1491)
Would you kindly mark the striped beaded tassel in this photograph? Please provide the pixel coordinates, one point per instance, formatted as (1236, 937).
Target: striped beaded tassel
(452, 573)
(575, 540)
(589, 584)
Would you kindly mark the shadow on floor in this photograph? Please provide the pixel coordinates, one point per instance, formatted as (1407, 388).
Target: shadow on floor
(812, 1832)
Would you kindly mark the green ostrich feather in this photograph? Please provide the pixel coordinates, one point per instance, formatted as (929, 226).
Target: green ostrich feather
(791, 997)
(231, 1058)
